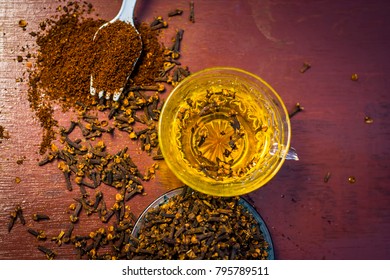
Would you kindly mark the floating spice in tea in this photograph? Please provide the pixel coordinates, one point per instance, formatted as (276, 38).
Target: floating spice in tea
(221, 134)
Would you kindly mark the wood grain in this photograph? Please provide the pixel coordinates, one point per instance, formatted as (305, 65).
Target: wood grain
(307, 218)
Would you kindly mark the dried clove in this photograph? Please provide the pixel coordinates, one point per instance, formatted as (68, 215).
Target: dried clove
(40, 217)
(14, 215)
(306, 66)
(156, 21)
(176, 42)
(161, 24)
(58, 239)
(67, 236)
(298, 108)
(75, 216)
(19, 214)
(50, 254)
(40, 234)
(192, 12)
(327, 177)
(175, 12)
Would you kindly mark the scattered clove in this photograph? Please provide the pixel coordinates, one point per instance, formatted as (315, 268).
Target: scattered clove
(87, 164)
(14, 215)
(298, 108)
(40, 217)
(40, 234)
(192, 12)
(175, 12)
(368, 120)
(306, 66)
(50, 254)
(327, 177)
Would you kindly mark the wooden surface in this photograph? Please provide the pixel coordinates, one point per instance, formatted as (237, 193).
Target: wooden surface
(307, 218)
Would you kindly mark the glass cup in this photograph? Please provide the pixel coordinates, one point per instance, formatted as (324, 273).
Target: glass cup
(224, 131)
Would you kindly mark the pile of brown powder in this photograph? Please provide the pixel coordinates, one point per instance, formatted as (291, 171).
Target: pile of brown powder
(61, 74)
(65, 60)
(151, 61)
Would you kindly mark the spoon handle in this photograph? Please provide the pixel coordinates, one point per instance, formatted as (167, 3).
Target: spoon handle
(126, 12)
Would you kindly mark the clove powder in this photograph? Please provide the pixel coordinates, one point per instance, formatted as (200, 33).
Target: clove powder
(117, 48)
(65, 59)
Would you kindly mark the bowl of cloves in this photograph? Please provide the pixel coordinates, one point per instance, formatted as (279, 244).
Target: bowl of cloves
(184, 224)
(224, 131)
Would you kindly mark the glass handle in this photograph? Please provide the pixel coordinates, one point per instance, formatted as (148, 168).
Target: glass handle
(290, 155)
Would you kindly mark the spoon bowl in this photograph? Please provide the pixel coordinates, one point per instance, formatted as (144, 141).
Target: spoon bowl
(126, 15)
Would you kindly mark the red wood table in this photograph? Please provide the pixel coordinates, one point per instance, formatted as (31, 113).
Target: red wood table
(307, 217)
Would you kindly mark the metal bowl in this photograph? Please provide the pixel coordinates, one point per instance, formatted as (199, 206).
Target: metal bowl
(247, 206)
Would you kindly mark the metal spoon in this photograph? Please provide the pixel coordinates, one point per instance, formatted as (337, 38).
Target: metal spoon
(125, 14)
